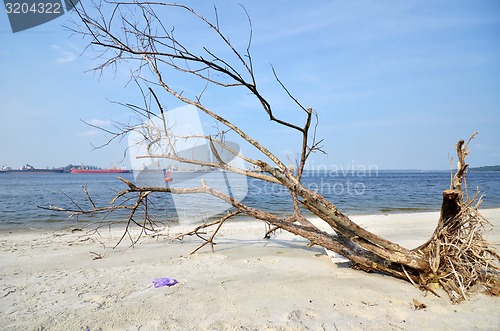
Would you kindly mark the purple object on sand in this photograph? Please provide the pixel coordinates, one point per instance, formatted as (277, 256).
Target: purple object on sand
(159, 282)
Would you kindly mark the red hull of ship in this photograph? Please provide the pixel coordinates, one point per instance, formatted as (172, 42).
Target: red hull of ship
(99, 171)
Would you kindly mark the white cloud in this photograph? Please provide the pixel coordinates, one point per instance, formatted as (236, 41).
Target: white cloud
(480, 146)
(64, 56)
(99, 122)
(96, 123)
(90, 133)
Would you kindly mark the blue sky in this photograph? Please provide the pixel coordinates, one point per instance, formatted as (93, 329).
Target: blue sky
(395, 83)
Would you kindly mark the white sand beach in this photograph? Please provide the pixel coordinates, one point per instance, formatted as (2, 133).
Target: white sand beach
(53, 281)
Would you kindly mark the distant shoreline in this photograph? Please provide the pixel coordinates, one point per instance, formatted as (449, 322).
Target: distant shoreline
(486, 168)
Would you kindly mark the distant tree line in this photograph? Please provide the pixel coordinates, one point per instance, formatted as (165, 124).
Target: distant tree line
(486, 168)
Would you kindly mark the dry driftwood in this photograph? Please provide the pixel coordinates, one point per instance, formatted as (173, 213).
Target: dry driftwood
(456, 256)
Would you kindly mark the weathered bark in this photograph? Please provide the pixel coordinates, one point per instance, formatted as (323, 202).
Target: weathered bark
(458, 256)
(451, 206)
(452, 197)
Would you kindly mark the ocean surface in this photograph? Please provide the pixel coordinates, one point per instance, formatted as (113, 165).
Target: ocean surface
(368, 192)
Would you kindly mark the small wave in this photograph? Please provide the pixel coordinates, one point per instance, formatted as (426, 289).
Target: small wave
(402, 209)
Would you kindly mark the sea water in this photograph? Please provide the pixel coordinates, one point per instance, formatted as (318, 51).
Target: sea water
(353, 192)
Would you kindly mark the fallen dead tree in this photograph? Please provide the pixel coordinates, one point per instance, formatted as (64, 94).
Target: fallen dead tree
(456, 257)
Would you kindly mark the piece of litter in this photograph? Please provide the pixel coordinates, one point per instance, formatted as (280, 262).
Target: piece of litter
(159, 282)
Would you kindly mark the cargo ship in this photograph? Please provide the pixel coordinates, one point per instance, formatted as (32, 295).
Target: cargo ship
(99, 171)
(30, 169)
